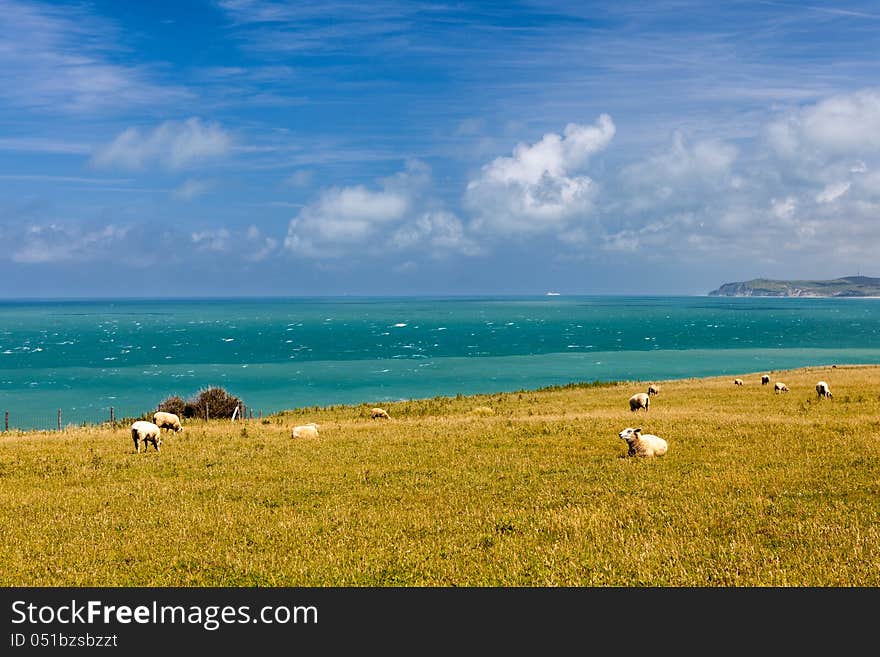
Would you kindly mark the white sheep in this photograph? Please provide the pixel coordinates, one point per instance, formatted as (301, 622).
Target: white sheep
(146, 432)
(643, 445)
(165, 420)
(823, 390)
(654, 389)
(738, 382)
(779, 386)
(639, 400)
(379, 413)
(765, 379)
(309, 430)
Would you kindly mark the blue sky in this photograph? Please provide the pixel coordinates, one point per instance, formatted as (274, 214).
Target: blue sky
(250, 147)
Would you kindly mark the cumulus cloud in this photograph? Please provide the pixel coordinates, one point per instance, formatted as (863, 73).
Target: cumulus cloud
(539, 187)
(54, 243)
(249, 243)
(439, 232)
(171, 145)
(364, 220)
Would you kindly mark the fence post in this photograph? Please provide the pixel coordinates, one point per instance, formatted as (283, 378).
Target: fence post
(112, 420)
(59, 419)
(6, 421)
(206, 412)
(261, 415)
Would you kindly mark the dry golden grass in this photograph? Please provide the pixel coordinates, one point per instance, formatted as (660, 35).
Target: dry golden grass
(757, 489)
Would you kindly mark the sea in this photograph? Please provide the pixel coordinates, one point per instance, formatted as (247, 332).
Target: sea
(72, 361)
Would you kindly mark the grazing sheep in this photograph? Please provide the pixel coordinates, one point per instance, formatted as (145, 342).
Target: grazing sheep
(823, 390)
(654, 389)
(146, 432)
(639, 400)
(379, 412)
(779, 387)
(765, 379)
(738, 382)
(165, 420)
(309, 430)
(643, 445)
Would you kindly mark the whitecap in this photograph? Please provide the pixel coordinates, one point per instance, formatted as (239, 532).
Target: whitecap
(399, 325)
(228, 339)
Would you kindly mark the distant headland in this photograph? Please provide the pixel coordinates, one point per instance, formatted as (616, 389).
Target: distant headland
(848, 286)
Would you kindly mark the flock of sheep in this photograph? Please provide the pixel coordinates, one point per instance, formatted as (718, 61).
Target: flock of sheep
(650, 445)
(144, 432)
(638, 444)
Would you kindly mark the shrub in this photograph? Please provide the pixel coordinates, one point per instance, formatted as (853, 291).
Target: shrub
(212, 403)
(173, 404)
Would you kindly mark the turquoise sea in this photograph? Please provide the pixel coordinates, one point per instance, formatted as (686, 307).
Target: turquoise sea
(85, 356)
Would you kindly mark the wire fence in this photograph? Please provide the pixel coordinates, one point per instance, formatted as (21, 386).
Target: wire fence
(59, 419)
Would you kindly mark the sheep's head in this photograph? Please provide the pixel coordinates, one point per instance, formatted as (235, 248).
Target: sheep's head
(629, 434)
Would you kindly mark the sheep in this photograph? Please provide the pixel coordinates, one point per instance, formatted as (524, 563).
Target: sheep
(146, 432)
(643, 445)
(309, 430)
(165, 420)
(654, 389)
(379, 413)
(639, 400)
(765, 379)
(779, 387)
(738, 382)
(823, 390)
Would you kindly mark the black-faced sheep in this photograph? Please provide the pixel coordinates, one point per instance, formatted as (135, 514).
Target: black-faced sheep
(639, 400)
(765, 379)
(379, 413)
(654, 389)
(779, 386)
(643, 445)
(165, 420)
(146, 432)
(822, 390)
(309, 430)
(738, 382)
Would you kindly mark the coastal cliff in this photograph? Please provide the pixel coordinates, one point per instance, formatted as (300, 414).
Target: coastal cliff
(848, 286)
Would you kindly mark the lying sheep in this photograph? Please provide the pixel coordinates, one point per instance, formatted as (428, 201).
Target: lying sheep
(823, 390)
(379, 413)
(165, 420)
(643, 445)
(146, 432)
(779, 387)
(765, 379)
(654, 389)
(639, 400)
(738, 382)
(309, 430)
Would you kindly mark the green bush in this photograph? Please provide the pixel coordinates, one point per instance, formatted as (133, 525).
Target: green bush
(211, 402)
(173, 404)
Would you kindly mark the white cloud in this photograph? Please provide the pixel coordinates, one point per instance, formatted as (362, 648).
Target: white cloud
(844, 125)
(832, 192)
(538, 188)
(191, 188)
(54, 243)
(172, 145)
(438, 232)
(55, 58)
(212, 239)
(301, 178)
(249, 244)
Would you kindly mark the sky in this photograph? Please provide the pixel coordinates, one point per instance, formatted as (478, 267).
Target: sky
(268, 148)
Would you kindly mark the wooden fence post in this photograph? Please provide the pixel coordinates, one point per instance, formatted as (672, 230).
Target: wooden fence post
(6, 421)
(59, 419)
(206, 413)
(112, 419)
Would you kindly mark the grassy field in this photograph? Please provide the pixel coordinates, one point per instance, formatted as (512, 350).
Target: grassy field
(518, 489)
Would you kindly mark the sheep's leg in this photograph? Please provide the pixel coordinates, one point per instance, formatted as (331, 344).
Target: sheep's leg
(137, 445)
